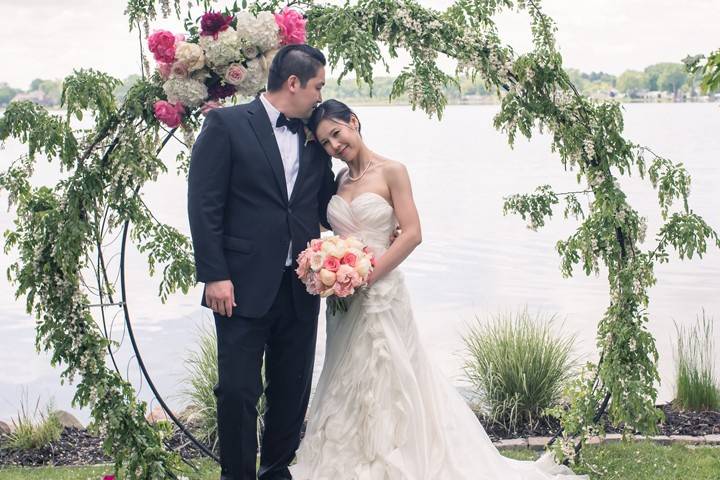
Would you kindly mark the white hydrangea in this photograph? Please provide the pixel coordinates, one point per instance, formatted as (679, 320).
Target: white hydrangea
(190, 55)
(187, 91)
(260, 32)
(223, 50)
(254, 80)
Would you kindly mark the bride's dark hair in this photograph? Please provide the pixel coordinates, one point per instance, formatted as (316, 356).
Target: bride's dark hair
(331, 110)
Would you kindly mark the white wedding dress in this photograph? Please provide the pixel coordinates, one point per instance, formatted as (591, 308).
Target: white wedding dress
(381, 410)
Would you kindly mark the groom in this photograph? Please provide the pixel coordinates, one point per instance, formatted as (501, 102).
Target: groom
(257, 193)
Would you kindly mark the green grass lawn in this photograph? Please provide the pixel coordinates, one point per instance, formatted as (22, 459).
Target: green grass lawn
(633, 461)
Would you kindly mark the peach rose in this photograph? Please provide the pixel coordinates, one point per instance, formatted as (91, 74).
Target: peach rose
(327, 277)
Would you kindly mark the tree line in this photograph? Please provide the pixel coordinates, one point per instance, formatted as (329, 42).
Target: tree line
(672, 79)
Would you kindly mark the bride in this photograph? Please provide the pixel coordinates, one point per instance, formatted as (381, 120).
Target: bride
(381, 410)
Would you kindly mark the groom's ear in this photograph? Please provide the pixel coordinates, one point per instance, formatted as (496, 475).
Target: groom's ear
(293, 83)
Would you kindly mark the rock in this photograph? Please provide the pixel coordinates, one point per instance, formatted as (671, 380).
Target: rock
(538, 443)
(68, 420)
(595, 440)
(514, 443)
(660, 439)
(5, 428)
(157, 415)
(687, 439)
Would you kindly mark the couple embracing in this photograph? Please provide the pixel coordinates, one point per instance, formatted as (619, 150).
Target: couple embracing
(260, 187)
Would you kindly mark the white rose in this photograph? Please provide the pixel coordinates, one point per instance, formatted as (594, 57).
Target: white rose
(316, 261)
(190, 55)
(363, 267)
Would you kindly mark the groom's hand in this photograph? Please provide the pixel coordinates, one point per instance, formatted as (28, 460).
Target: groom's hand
(220, 297)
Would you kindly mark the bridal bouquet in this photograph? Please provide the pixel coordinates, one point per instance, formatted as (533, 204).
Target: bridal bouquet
(229, 55)
(334, 267)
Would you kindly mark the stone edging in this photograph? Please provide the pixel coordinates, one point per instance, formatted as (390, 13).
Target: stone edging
(539, 443)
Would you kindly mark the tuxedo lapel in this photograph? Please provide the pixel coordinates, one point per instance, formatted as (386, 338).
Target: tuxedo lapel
(304, 154)
(264, 132)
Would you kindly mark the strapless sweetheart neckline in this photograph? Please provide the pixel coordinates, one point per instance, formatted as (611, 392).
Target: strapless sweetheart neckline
(360, 196)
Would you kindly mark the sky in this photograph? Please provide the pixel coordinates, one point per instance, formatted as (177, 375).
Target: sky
(48, 38)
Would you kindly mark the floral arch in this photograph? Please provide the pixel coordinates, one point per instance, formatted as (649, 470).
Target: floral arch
(60, 231)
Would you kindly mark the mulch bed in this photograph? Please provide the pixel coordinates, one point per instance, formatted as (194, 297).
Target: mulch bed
(677, 422)
(78, 447)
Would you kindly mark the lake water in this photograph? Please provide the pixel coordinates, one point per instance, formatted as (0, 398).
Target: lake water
(473, 262)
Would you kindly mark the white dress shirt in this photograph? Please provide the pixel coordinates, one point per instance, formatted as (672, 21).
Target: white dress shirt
(289, 147)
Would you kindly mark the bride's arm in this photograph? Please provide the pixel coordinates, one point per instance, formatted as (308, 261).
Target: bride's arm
(398, 182)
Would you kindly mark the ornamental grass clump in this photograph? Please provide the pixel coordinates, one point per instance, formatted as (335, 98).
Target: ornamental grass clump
(199, 384)
(696, 386)
(34, 431)
(518, 366)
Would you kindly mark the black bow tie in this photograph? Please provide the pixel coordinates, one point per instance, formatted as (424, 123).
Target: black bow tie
(293, 124)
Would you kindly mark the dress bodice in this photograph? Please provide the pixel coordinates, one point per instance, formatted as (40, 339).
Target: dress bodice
(369, 218)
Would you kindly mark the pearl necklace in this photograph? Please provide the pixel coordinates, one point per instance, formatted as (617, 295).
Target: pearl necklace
(359, 176)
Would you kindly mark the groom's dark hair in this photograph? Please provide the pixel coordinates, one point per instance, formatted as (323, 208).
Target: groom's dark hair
(303, 61)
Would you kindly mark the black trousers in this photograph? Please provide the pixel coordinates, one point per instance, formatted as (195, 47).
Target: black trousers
(288, 343)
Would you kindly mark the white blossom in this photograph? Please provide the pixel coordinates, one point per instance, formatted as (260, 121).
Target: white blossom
(187, 91)
(227, 48)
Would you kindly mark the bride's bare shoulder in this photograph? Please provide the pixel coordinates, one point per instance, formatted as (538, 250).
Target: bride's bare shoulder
(392, 168)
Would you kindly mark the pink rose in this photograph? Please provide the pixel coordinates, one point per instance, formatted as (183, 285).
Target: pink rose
(213, 23)
(235, 74)
(331, 263)
(169, 114)
(209, 105)
(292, 26)
(349, 259)
(162, 44)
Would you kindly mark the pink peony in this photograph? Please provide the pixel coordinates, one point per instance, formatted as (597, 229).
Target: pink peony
(331, 263)
(165, 69)
(343, 289)
(348, 279)
(169, 114)
(349, 259)
(316, 244)
(292, 26)
(303, 265)
(213, 23)
(162, 44)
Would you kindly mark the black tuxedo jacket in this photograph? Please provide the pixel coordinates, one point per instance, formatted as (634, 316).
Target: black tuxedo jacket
(241, 218)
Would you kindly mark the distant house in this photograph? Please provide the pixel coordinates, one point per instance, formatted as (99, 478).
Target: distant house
(36, 96)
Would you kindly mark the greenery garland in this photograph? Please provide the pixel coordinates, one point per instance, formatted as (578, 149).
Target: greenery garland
(59, 230)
